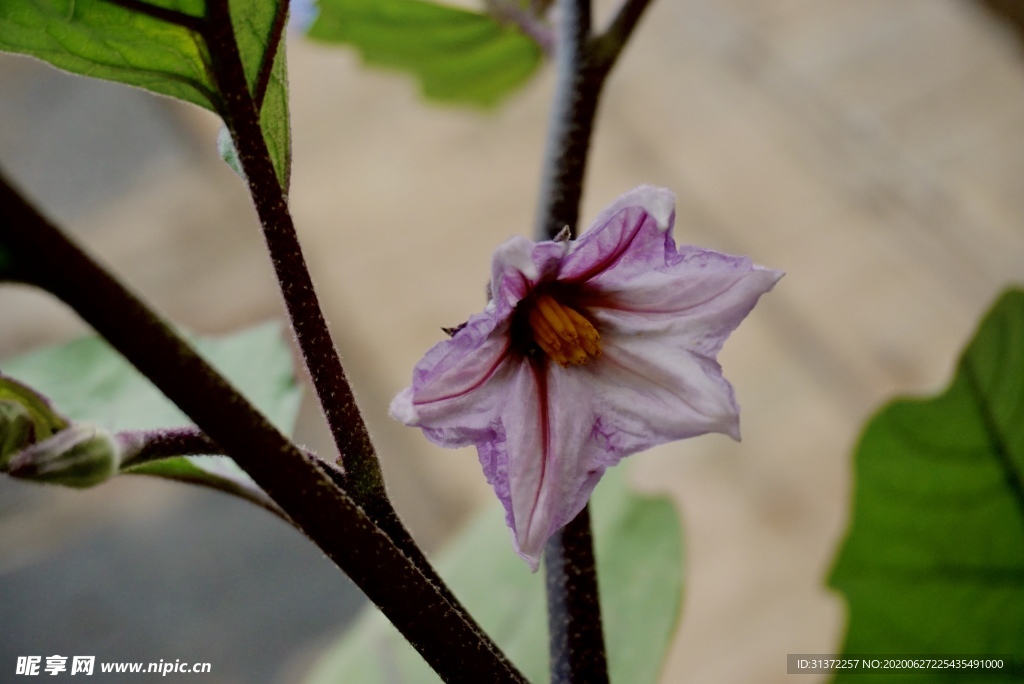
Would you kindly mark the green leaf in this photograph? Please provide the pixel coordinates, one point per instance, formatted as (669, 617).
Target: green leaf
(639, 554)
(256, 22)
(934, 559)
(102, 39)
(459, 57)
(91, 383)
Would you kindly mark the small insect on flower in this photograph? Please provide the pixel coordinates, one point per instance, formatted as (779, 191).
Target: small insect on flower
(589, 350)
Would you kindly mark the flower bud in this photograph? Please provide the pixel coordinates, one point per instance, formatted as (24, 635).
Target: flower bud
(17, 430)
(79, 456)
(26, 417)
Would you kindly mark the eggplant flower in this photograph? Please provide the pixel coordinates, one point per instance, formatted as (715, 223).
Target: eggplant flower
(588, 351)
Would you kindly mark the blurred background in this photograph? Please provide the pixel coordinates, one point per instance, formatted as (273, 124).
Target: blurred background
(874, 150)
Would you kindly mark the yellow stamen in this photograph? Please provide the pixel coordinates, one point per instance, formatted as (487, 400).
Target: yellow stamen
(563, 333)
(557, 316)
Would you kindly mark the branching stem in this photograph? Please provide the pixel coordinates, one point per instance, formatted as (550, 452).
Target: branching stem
(447, 639)
(359, 461)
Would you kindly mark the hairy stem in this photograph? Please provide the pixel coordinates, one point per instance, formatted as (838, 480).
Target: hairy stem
(362, 470)
(574, 611)
(571, 122)
(608, 46)
(139, 447)
(361, 476)
(144, 446)
(583, 64)
(270, 56)
(441, 632)
(577, 651)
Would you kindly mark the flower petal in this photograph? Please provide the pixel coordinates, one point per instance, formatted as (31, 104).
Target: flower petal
(518, 264)
(552, 461)
(698, 298)
(455, 392)
(631, 235)
(659, 203)
(649, 392)
(545, 433)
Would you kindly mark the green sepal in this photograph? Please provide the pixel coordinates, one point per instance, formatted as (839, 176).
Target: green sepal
(26, 417)
(78, 456)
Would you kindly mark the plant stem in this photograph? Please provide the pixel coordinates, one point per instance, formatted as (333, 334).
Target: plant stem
(583, 64)
(139, 447)
(574, 610)
(274, 42)
(363, 477)
(607, 47)
(144, 446)
(448, 640)
(577, 651)
(570, 125)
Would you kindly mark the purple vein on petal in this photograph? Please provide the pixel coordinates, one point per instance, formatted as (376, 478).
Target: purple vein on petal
(651, 380)
(609, 261)
(608, 300)
(476, 385)
(540, 377)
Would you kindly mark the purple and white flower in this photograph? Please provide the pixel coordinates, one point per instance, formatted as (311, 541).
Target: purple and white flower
(588, 351)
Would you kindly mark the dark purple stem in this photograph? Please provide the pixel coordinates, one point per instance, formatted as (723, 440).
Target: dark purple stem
(577, 651)
(277, 30)
(574, 611)
(143, 446)
(608, 46)
(362, 470)
(449, 641)
(583, 64)
(139, 447)
(571, 122)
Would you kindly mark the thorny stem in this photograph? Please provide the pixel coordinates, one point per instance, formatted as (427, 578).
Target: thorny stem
(439, 630)
(583, 64)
